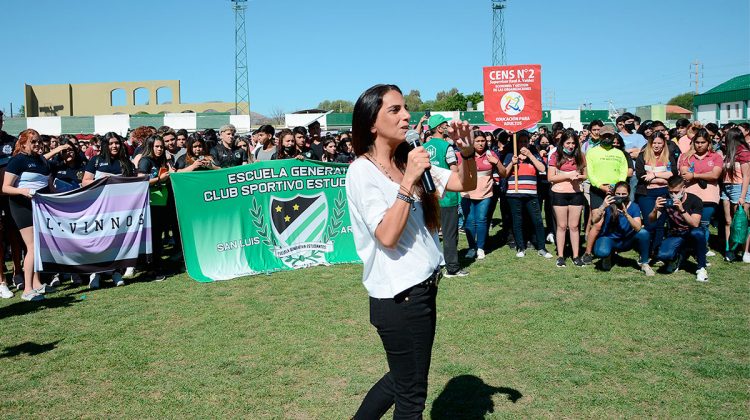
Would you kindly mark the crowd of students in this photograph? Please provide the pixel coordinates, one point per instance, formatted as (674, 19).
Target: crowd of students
(641, 186)
(37, 163)
(632, 185)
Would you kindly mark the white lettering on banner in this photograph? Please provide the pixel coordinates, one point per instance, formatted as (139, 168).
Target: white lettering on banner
(78, 228)
(526, 75)
(306, 246)
(256, 175)
(237, 244)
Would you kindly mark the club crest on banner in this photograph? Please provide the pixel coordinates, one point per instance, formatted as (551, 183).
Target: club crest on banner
(299, 226)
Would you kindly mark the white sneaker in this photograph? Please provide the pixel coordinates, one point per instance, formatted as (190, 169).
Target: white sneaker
(550, 238)
(471, 254)
(710, 253)
(94, 280)
(117, 278)
(746, 257)
(5, 293)
(129, 273)
(544, 253)
(45, 288)
(647, 270)
(521, 254)
(55, 282)
(32, 296)
(480, 254)
(701, 275)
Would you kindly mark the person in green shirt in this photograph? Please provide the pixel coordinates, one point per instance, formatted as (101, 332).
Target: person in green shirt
(606, 166)
(443, 155)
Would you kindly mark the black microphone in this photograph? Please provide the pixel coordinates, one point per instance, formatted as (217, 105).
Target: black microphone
(412, 137)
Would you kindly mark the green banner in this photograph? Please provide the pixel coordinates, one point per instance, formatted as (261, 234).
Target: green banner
(263, 217)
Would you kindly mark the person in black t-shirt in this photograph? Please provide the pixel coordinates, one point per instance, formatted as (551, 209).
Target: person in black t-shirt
(157, 167)
(113, 160)
(67, 169)
(684, 211)
(285, 149)
(224, 153)
(346, 151)
(316, 142)
(28, 173)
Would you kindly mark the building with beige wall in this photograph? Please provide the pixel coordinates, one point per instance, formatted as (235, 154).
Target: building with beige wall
(85, 99)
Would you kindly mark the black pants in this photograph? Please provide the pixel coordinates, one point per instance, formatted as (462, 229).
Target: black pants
(159, 217)
(406, 325)
(531, 206)
(449, 226)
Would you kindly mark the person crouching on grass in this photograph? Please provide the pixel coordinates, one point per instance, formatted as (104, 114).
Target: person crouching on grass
(395, 225)
(684, 211)
(620, 225)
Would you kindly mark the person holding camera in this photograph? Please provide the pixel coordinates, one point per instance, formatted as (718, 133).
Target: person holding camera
(606, 165)
(654, 166)
(684, 211)
(620, 224)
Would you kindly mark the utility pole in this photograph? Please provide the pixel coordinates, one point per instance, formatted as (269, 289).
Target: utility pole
(498, 33)
(550, 101)
(241, 89)
(696, 68)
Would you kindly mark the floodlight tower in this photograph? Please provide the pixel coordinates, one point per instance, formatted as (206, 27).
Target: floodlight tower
(241, 89)
(498, 32)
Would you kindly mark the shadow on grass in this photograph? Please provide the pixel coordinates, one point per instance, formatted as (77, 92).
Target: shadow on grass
(24, 308)
(28, 348)
(468, 397)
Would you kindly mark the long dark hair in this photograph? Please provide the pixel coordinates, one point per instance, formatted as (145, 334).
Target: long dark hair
(733, 140)
(122, 155)
(281, 153)
(561, 157)
(160, 161)
(365, 113)
(191, 157)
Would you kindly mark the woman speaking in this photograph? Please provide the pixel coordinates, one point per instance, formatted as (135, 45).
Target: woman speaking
(395, 227)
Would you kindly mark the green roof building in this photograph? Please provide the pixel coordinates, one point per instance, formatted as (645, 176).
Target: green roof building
(727, 102)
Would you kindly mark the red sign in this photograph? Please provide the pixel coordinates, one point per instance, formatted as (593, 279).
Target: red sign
(513, 96)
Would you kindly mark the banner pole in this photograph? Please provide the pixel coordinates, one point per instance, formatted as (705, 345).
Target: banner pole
(515, 167)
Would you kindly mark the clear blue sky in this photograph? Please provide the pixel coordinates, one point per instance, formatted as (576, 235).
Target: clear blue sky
(301, 52)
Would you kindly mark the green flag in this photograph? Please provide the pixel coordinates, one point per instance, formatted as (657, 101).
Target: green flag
(264, 217)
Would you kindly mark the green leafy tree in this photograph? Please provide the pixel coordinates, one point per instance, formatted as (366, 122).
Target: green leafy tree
(338, 105)
(475, 98)
(21, 111)
(684, 100)
(414, 100)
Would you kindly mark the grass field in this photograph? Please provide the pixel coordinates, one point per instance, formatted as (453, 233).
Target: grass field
(517, 338)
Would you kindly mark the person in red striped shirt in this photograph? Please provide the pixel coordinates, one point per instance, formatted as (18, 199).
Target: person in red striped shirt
(524, 198)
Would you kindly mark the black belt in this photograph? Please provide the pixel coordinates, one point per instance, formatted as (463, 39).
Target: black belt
(433, 280)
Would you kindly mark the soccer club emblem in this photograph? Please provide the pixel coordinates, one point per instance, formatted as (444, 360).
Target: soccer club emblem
(299, 224)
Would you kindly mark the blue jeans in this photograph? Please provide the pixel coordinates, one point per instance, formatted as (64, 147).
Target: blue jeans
(647, 204)
(531, 205)
(641, 241)
(475, 224)
(676, 243)
(708, 212)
